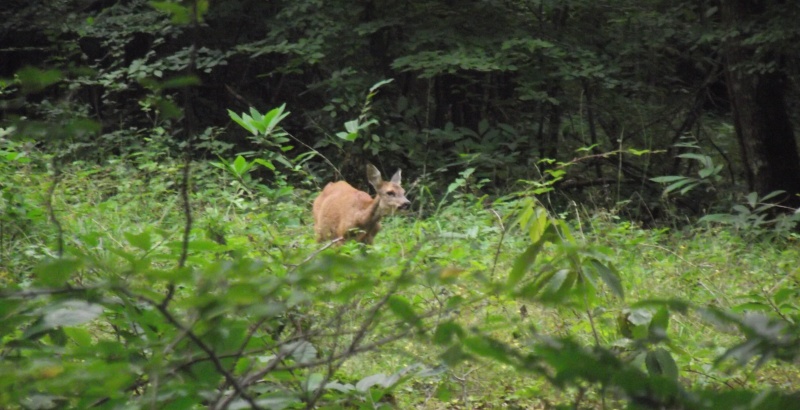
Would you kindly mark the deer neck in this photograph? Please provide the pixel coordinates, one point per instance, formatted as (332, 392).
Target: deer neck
(373, 213)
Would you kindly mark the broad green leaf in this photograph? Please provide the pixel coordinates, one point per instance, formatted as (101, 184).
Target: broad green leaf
(703, 159)
(752, 199)
(538, 225)
(689, 187)
(380, 84)
(558, 280)
(313, 382)
(677, 185)
(244, 124)
(525, 215)
(403, 309)
(771, 195)
(223, 165)
(198, 245)
(379, 379)
(610, 277)
(741, 209)
(564, 232)
(446, 332)
(523, 262)
(352, 126)
(240, 166)
(79, 336)
(559, 285)
(347, 136)
(142, 241)
(668, 178)
(33, 79)
(640, 317)
(255, 115)
(783, 294)
(706, 172)
(273, 117)
(265, 162)
(659, 324)
(454, 185)
(301, 351)
(659, 362)
(340, 387)
(56, 272)
(531, 290)
(255, 119)
(71, 312)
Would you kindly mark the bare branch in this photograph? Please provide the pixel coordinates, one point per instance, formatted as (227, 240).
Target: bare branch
(215, 360)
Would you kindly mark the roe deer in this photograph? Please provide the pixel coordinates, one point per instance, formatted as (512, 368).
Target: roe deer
(341, 211)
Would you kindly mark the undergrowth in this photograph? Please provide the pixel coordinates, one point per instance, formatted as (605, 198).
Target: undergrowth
(430, 316)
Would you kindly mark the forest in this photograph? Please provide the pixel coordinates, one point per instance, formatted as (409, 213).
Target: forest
(594, 204)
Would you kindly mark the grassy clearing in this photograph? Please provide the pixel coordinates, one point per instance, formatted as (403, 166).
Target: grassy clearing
(102, 210)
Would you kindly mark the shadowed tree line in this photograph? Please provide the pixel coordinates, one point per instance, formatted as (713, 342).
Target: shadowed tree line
(497, 86)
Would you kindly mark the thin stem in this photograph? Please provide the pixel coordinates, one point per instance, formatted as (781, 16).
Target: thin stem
(52, 212)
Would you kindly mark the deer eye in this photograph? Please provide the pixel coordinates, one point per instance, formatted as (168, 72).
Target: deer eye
(390, 193)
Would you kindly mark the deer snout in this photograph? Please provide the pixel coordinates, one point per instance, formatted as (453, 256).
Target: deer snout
(405, 205)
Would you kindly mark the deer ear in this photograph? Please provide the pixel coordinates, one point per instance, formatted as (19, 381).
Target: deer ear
(396, 177)
(374, 176)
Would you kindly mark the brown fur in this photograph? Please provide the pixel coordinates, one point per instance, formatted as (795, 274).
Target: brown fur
(341, 211)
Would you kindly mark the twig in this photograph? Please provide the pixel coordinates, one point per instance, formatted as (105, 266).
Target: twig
(52, 212)
(499, 244)
(199, 343)
(717, 379)
(351, 350)
(318, 153)
(315, 253)
(333, 367)
(239, 353)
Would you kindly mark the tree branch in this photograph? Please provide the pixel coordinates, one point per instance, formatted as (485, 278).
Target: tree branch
(215, 360)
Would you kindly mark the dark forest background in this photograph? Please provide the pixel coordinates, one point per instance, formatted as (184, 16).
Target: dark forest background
(702, 93)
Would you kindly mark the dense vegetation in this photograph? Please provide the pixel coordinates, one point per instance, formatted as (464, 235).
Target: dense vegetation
(604, 204)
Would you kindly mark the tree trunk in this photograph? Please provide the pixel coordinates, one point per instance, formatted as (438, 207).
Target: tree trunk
(763, 127)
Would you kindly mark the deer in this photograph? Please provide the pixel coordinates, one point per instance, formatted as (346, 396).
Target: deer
(342, 212)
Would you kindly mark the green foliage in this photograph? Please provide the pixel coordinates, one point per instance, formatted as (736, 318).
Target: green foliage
(757, 216)
(570, 275)
(272, 141)
(180, 14)
(498, 97)
(261, 318)
(708, 173)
